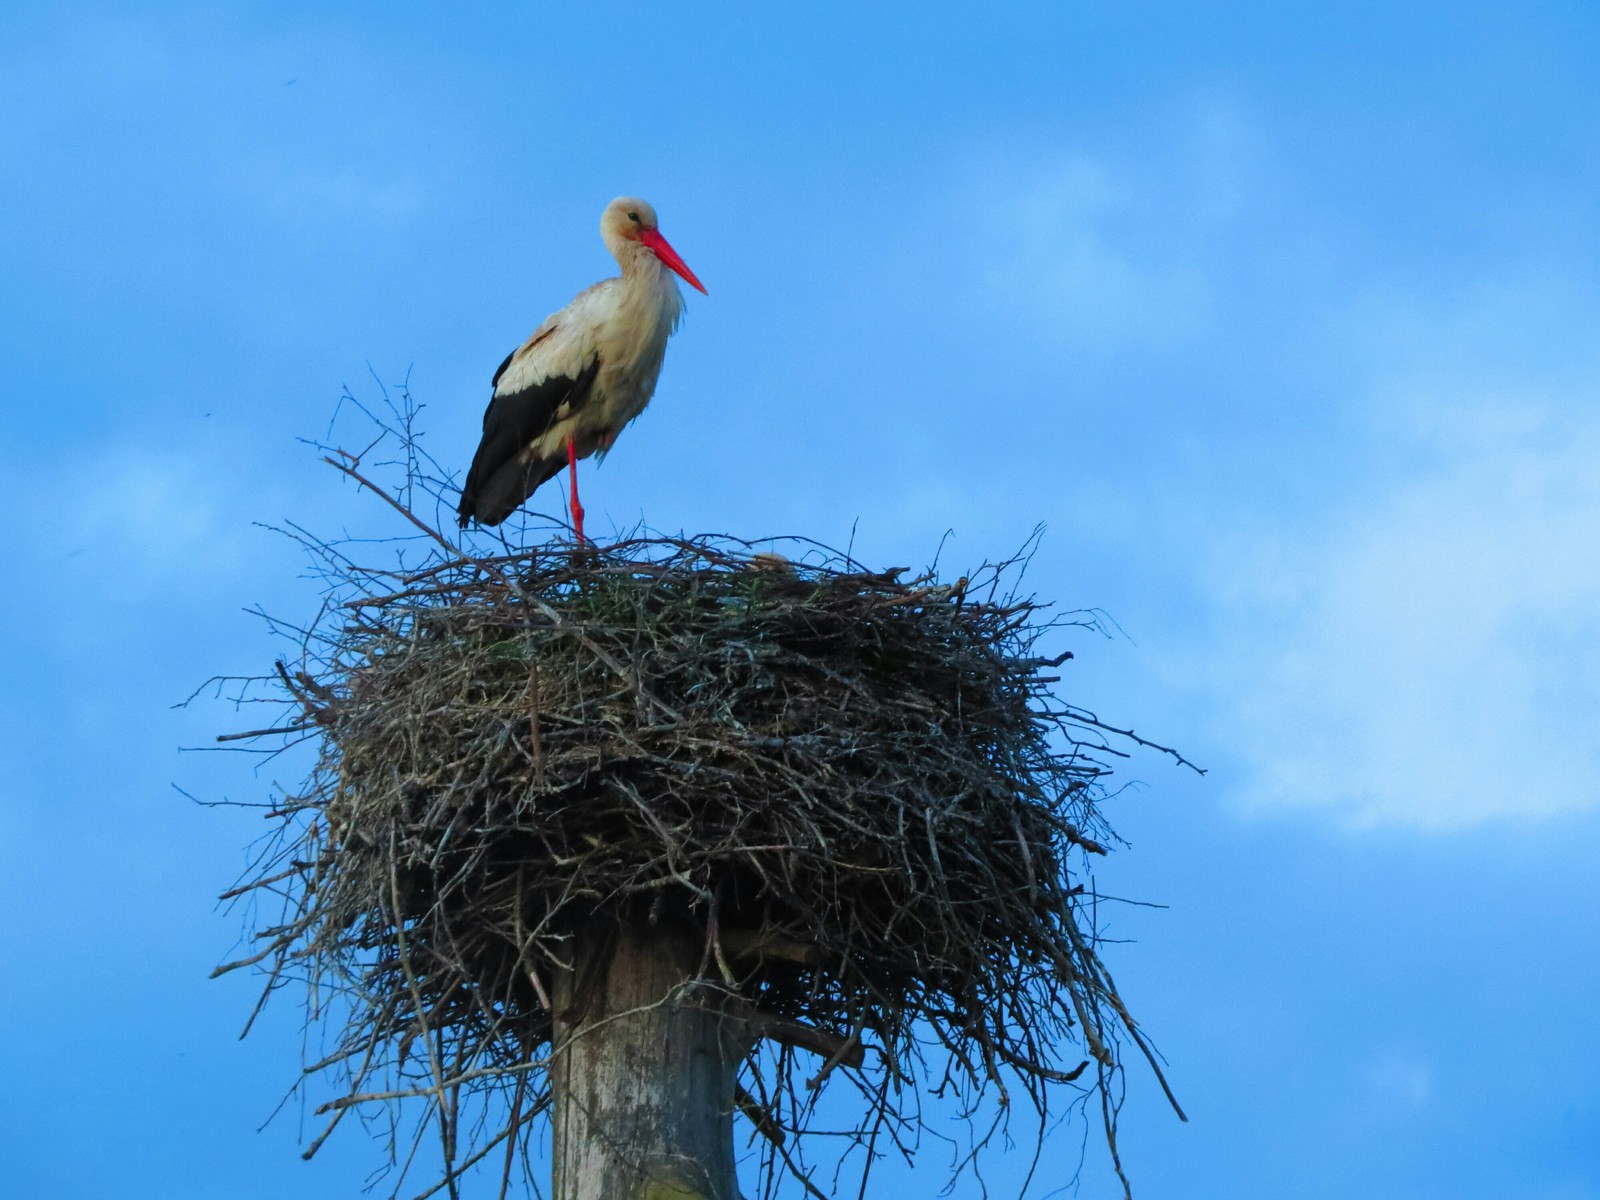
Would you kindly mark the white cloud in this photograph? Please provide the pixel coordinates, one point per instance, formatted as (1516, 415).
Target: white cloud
(154, 506)
(1056, 251)
(1407, 634)
(302, 194)
(1407, 631)
(1107, 249)
(141, 521)
(1396, 1083)
(1432, 657)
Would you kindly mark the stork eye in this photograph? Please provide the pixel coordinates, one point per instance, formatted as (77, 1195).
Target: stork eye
(634, 217)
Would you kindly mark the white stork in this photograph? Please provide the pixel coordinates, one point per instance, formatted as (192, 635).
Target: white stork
(567, 391)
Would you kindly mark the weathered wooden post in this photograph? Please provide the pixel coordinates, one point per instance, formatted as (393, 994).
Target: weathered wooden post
(642, 1074)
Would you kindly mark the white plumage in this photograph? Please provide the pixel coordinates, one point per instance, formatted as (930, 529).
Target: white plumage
(584, 374)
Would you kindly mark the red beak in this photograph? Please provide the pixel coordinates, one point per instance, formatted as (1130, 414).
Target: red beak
(658, 247)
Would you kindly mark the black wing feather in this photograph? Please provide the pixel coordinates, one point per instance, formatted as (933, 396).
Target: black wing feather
(501, 370)
(499, 480)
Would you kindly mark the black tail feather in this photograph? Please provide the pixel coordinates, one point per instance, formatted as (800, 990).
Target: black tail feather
(490, 501)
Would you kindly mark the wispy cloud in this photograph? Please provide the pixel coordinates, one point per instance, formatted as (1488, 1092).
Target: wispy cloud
(1051, 253)
(1427, 653)
(1109, 250)
(1396, 1083)
(152, 512)
(141, 522)
(310, 195)
(1387, 531)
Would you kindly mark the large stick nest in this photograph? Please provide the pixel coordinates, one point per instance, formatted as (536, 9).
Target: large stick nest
(860, 789)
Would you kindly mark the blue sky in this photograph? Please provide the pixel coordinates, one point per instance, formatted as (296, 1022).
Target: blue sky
(1281, 318)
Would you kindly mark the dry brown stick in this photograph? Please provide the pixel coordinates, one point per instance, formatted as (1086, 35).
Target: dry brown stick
(1108, 989)
(393, 503)
(766, 1124)
(231, 893)
(750, 943)
(851, 1050)
(714, 941)
(848, 1050)
(1027, 854)
(416, 999)
(246, 962)
(478, 1156)
(516, 1119)
(300, 685)
(1077, 839)
(1145, 1048)
(533, 721)
(795, 1170)
(537, 1064)
(986, 1044)
(255, 733)
(1088, 718)
(356, 1081)
(544, 997)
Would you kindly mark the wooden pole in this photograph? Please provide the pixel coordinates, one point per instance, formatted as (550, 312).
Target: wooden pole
(643, 1075)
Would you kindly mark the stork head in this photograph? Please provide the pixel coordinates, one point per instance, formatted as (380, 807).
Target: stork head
(629, 228)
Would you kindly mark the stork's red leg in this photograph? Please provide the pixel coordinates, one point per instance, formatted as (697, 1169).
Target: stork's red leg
(572, 470)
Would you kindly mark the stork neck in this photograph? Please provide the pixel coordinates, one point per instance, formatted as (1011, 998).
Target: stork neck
(639, 266)
(648, 286)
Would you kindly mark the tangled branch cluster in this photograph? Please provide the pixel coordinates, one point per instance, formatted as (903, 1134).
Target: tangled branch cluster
(859, 788)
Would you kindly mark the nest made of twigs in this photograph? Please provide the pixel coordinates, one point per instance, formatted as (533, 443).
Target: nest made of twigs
(861, 789)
